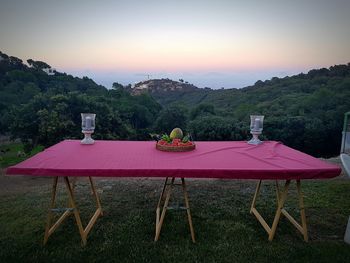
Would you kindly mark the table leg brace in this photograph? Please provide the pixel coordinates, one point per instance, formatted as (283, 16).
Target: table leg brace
(71, 209)
(160, 214)
(281, 199)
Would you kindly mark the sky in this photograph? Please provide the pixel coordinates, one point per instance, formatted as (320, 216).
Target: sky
(218, 43)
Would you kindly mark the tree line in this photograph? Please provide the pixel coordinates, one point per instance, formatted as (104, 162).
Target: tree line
(303, 111)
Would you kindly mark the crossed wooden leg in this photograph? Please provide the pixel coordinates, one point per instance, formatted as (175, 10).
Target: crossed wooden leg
(281, 199)
(160, 214)
(72, 208)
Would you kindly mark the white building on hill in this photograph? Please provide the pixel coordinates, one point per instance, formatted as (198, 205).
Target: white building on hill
(49, 71)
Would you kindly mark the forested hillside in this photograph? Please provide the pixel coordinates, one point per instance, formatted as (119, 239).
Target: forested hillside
(303, 111)
(44, 109)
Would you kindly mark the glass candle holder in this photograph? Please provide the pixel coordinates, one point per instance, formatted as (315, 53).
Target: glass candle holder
(256, 127)
(87, 127)
(345, 144)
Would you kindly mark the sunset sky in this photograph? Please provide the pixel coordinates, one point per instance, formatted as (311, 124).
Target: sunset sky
(217, 44)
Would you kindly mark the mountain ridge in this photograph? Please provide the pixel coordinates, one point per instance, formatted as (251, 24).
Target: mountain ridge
(166, 91)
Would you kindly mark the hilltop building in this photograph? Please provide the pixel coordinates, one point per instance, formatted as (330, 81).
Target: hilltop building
(49, 71)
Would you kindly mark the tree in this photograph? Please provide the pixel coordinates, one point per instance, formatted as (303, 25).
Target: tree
(259, 83)
(140, 117)
(117, 86)
(202, 109)
(38, 64)
(4, 56)
(16, 61)
(47, 119)
(215, 128)
(170, 118)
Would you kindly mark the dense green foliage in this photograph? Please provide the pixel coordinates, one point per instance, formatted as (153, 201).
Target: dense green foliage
(43, 109)
(303, 111)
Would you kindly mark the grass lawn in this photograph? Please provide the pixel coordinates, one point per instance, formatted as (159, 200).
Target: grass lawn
(9, 153)
(225, 231)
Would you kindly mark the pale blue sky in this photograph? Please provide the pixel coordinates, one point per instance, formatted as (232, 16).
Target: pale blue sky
(209, 43)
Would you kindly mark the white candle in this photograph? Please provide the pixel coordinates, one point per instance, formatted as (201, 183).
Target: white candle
(88, 123)
(257, 124)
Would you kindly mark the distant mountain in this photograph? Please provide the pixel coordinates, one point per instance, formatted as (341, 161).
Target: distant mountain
(161, 86)
(165, 91)
(304, 111)
(263, 96)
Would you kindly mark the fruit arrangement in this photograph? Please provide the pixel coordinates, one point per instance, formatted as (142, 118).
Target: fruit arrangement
(175, 142)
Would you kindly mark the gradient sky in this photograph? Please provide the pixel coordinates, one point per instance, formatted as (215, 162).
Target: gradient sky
(217, 44)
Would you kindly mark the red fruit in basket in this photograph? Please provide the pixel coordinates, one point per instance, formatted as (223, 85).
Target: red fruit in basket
(176, 140)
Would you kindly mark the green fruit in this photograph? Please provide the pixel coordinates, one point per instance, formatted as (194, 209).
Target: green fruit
(166, 138)
(176, 134)
(186, 138)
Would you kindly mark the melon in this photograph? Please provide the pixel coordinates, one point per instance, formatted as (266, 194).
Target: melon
(176, 134)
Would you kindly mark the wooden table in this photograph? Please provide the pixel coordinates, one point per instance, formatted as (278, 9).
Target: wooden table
(229, 160)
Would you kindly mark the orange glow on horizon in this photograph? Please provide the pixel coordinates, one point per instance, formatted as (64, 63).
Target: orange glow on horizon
(193, 53)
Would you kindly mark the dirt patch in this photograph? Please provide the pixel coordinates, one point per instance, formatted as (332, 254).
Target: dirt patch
(21, 184)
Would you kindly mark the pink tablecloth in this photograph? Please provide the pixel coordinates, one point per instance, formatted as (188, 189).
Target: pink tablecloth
(231, 160)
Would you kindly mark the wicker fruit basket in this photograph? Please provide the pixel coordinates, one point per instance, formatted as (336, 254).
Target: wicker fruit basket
(173, 148)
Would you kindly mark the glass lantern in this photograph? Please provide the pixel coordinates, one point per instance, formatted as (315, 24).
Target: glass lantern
(345, 159)
(345, 144)
(87, 127)
(345, 147)
(256, 127)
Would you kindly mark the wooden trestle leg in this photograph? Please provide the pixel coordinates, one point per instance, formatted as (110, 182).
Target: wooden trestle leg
(71, 209)
(160, 213)
(281, 199)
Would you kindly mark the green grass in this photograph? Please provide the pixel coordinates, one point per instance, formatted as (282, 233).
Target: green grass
(225, 230)
(9, 153)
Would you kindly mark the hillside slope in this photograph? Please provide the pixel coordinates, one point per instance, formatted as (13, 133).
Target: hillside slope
(295, 95)
(41, 108)
(304, 111)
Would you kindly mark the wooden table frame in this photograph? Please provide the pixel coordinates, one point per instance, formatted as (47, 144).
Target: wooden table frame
(281, 197)
(160, 213)
(71, 209)
(169, 184)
